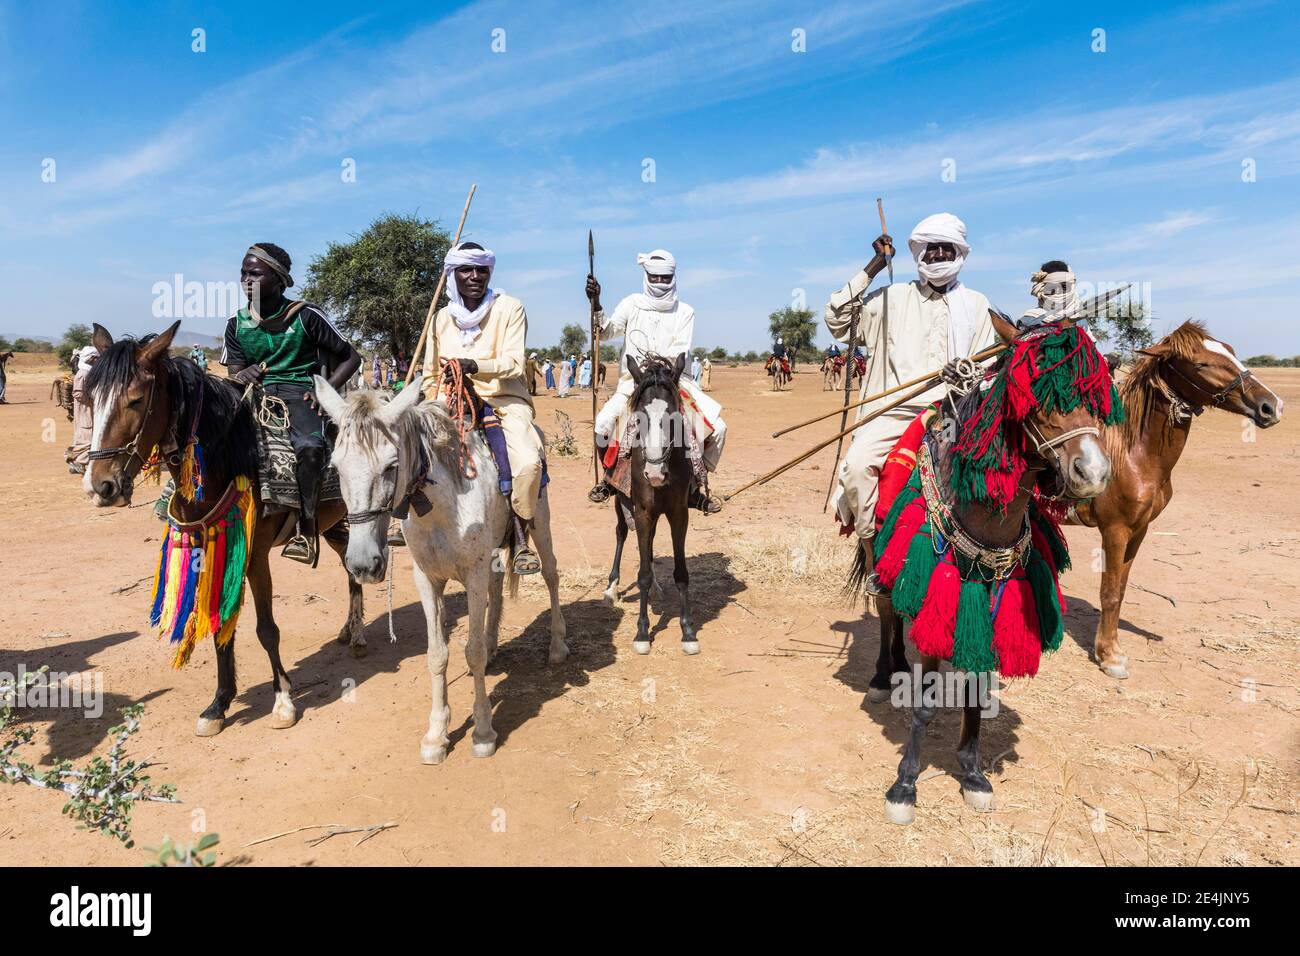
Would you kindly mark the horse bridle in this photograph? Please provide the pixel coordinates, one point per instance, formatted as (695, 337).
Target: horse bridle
(132, 448)
(1216, 398)
(659, 374)
(1041, 443)
(399, 508)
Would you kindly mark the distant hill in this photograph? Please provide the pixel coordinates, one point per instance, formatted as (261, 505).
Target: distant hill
(187, 339)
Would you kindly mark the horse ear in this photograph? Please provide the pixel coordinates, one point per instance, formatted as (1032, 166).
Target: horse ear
(330, 400)
(1004, 327)
(102, 338)
(634, 369)
(406, 399)
(679, 366)
(158, 346)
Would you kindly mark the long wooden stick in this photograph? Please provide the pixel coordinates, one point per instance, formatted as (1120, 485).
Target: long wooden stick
(437, 294)
(931, 377)
(595, 359)
(780, 469)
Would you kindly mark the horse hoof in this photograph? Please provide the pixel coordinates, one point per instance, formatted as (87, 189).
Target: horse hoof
(877, 695)
(359, 650)
(345, 635)
(1116, 669)
(558, 656)
(641, 647)
(209, 726)
(484, 750)
(283, 721)
(980, 801)
(901, 814)
(690, 647)
(607, 598)
(433, 755)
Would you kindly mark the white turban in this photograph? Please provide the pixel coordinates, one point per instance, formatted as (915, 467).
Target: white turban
(1056, 295)
(658, 298)
(87, 353)
(468, 322)
(941, 227)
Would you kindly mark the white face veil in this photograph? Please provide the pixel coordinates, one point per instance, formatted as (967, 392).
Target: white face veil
(941, 227)
(469, 323)
(655, 297)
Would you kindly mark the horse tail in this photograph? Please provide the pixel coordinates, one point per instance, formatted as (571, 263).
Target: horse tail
(512, 581)
(859, 571)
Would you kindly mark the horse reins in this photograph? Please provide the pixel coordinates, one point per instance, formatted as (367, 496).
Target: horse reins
(1216, 398)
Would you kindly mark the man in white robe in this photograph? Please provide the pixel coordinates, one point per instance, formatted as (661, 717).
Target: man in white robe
(655, 322)
(909, 329)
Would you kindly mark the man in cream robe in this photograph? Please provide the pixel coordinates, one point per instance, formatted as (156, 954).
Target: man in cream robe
(909, 329)
(656, 322)
(484, 330)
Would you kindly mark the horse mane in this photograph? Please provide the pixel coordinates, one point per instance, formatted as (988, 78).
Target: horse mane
(225, 428)
(427, 424)
(1050, 368)
(1139, 391)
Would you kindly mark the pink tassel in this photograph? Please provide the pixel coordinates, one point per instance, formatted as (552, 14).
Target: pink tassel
(891, 562)
(1015, 629)
(934, 626)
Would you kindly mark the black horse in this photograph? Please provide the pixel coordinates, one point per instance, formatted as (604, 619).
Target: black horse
(660, 484)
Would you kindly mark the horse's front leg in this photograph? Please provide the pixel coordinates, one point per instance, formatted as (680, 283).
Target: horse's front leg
(496, 584)
(645, 578)
(353, 632)
(558, 650)
(283, 712)
(900, 800)
(476, 656)
(679, 523)
(620, 539)
(975, 787)
(1114, 577)
(433, 748)
(214, 717)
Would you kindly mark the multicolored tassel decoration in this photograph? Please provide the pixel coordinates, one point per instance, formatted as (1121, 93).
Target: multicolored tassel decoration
(199, 585)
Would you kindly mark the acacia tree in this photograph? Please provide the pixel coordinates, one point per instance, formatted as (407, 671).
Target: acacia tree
(796, 328)
(378, 285)
(1127, 325)
(573, 340)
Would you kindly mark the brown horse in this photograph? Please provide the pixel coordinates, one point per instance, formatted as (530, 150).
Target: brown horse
(1064, 457)
(1176, 379)
(146, 399)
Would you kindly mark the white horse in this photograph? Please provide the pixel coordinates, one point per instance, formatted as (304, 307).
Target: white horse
(383, 445)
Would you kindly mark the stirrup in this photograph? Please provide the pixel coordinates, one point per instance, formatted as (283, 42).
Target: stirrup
(302, 549)
(599, 494)
(873, 586)
(525, 561)
(396, 539)
(706, 503)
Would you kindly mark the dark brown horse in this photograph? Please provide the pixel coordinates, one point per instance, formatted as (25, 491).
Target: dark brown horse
(1176, 379)
(1064, 457)
(145, 399)
(660, 485)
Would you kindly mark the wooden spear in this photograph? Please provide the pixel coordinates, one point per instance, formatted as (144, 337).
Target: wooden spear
(595, 358)
(427, 332)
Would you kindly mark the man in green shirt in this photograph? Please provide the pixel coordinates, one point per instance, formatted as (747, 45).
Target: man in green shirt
(281, 343)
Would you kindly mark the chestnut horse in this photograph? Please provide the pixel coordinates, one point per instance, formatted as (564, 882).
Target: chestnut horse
(145, 399)
(1176, 379)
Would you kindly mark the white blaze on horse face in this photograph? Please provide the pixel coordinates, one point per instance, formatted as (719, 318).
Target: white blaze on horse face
(1219, 348)
(103, 401)
(362, 482)
(656, 456)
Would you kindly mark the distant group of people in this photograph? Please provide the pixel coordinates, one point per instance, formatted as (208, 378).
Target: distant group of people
(559, 376)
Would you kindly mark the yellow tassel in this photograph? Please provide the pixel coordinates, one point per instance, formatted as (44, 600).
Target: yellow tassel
(204, 593)
(171, 603)
(228, 627)
(186, 647)
(186, 485)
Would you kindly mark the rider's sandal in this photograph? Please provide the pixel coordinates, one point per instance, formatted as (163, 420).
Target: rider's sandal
(599, 494)
(873, 586)
(524, 560)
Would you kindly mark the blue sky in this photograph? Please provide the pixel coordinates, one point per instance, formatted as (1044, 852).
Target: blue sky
(1127, 163)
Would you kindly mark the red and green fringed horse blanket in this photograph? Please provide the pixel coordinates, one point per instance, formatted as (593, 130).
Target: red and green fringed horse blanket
(960, 608)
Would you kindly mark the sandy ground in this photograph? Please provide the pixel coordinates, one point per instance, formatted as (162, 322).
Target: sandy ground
(761, 750)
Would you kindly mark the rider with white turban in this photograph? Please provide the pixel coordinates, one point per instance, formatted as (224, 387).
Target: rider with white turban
(483, 330)
(655, 322)
(909, 329)
(1054, 288)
